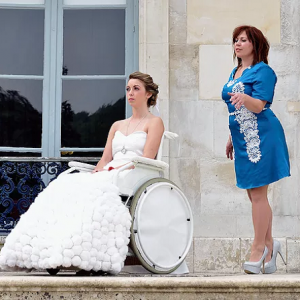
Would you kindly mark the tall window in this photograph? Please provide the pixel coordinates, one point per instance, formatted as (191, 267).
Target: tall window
(63, 70)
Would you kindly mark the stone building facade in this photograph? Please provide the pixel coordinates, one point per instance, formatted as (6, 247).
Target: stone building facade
(186, 46)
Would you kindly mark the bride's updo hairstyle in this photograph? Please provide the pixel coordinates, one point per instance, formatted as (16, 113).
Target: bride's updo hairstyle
(149, 85)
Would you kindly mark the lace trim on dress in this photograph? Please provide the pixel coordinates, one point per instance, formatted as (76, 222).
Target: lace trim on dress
(248, 126)
(230, 82)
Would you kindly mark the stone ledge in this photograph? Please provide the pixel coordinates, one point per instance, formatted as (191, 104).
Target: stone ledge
(190, 287)
(190, 282)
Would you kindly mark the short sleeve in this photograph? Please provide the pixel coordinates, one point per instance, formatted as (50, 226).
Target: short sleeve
(264, 82)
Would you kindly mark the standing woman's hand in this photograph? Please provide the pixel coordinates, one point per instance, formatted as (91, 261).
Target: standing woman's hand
(229, 149)
(238, 99)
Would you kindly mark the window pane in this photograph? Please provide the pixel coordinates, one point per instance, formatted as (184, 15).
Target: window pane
(89, 108)
(94, 2)
(96, 44)
(12, 2)
(21, 113)
(22, 41)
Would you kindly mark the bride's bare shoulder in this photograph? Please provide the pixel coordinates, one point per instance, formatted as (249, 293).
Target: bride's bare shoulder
(119, 124)
(155, 119)
(156, 122)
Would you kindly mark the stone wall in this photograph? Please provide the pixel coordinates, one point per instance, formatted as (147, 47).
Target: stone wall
(186, 46)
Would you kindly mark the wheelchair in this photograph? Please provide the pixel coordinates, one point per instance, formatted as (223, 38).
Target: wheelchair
(162, 220)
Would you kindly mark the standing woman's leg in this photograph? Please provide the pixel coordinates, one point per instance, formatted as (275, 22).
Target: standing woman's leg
(262, 217)
(269, 237)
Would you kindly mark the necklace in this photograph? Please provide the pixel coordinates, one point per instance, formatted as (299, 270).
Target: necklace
(124, 150)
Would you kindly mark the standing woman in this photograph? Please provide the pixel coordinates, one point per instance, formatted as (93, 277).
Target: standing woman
(257, 139)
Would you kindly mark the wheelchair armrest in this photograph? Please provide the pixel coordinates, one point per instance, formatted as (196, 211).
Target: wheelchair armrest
(139, 160)
(81, 166)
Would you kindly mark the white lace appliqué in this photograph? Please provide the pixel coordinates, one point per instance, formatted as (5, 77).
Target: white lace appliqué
(248, 126)
(230, 83)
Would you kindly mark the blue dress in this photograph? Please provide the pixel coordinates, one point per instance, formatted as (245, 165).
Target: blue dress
(261, 154)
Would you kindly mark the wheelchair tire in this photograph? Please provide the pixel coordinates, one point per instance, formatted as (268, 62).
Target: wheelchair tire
(136, 245)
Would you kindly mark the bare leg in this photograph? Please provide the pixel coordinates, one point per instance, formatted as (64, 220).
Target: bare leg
(249, 195)
(262, 222)
(269, 238)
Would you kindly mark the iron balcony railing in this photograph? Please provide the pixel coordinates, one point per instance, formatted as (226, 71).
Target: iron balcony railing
(22, 179)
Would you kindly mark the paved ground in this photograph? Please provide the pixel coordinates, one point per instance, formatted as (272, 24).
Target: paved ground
(284, 276)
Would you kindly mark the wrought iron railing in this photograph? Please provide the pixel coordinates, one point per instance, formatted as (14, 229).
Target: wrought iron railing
(21, 180)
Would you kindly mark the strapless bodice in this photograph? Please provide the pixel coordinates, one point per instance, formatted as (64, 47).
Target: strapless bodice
(125, 147)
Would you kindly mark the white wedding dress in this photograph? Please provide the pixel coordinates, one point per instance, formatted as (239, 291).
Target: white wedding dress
(78, 221)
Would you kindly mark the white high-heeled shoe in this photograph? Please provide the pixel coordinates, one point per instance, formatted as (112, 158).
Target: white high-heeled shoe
(251, 267)
(270, 266)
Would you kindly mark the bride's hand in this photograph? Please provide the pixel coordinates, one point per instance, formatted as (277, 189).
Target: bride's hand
(97, 169)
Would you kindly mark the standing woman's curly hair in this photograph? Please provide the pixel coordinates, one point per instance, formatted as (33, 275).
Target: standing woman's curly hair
(260, 43)
(149, 85)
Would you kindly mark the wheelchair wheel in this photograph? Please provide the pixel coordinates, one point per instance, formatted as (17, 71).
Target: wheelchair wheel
(162, 227)
(52, 272)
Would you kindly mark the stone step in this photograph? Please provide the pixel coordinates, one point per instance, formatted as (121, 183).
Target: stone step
(191, 287)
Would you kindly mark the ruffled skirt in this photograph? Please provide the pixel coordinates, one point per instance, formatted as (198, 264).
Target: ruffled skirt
(78, 221)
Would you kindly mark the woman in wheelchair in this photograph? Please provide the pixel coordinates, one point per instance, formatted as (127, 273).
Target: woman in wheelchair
(79, 220)
(141, 133)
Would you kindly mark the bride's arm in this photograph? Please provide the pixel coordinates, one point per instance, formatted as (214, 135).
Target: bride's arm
(155, 133)
(155, 130)
(107, 153)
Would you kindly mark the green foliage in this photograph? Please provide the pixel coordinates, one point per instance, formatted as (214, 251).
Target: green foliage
(89, 130)
(21, 123)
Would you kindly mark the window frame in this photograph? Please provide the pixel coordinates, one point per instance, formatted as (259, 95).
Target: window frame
(29, 77)
(53, 78)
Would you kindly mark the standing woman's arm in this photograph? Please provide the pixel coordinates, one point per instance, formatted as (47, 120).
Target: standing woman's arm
(252, 104)
(263, 91)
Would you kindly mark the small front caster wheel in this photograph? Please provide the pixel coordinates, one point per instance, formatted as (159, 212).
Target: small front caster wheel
(52, 272)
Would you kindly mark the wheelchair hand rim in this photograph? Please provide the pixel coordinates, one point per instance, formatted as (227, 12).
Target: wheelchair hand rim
(136, 233)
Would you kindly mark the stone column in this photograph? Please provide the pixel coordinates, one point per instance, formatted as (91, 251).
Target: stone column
(154, 54)
(154, 48)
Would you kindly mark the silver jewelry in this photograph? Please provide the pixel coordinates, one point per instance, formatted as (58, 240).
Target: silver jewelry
(124, 150)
